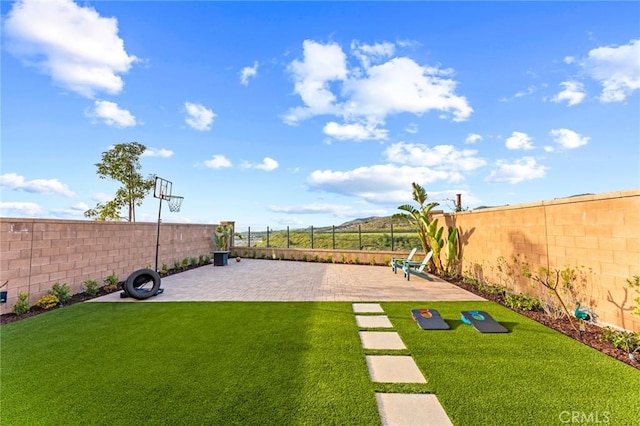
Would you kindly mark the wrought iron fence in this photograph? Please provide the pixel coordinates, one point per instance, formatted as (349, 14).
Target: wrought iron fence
(392, 238)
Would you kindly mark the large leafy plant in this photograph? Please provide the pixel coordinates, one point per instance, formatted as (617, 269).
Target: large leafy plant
(420, 216)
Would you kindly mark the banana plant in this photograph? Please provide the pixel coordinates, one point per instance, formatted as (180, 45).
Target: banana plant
(418, 217)
(436, 242)
(451, 252)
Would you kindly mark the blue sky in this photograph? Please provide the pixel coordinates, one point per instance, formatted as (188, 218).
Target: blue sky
(298, 113)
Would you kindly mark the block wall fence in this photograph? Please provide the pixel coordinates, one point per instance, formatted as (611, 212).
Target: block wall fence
(36, 253)
(598, 235)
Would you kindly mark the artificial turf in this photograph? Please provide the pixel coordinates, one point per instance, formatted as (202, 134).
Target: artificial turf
(530, 376)
(293, 363)
(187, 363)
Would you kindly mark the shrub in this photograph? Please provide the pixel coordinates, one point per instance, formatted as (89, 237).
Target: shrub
(48, 301)
(625, 340)
(193, 261)
(304, 257)
(61, 291)
(164, 269)
(523, 302)
(343, 258)
(471, 281)
(329, 259)
(111, 283)
(22, 305)
(176, 264)
(185, 262)
(91, 287)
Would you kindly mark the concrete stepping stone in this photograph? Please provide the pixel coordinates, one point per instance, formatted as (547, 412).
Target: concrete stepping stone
(403, 409)
(394, 369)
(381, 340)
(367, 307)
(373, 321)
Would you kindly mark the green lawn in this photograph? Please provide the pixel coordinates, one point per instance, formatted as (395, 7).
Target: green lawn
(530, 376)
(187, 363)
(290, 364)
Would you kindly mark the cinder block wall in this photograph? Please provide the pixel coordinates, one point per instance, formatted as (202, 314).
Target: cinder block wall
(36, 253)
(598, 235)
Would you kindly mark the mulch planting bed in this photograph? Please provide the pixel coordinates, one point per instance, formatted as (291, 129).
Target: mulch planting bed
(77, 298)
(591, 336)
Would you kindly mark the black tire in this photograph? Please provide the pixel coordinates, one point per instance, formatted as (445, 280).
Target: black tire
(142, 284)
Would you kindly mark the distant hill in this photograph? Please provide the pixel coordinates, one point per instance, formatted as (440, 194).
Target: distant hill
(373, 222)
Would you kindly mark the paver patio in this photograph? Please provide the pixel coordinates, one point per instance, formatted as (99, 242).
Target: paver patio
(278, 281)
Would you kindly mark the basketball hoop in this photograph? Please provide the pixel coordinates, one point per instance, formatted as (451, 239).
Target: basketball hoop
(174, 203)
(162, 190)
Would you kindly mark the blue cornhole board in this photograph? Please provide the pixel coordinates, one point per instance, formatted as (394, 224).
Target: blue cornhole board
(429, 319)
(482, 321)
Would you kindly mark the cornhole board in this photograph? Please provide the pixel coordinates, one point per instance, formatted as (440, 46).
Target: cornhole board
(482, 321)
(429, 319)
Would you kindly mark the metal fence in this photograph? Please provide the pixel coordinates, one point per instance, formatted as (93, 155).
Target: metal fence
(332, 237)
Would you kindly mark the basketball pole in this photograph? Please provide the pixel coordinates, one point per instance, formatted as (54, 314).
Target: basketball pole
(158, 234)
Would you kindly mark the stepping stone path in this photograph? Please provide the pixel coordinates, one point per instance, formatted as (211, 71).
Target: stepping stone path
(399, 409)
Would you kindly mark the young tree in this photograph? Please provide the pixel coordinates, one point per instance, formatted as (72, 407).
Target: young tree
(121, 164)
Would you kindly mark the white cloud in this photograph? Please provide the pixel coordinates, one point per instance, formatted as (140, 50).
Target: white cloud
(385, 183)
(520, 94)
(568, 138)
(412, 128)
(40, 186)
(77, 210)
(9, 208)
(573, 93)
(441, 157)
(402, 85)
(247, 73)
(519, 140)
(217, 162)
(520, 170)
(111, 114)
(198, 116)
(321, 64)
(569, 59)
(524, 93)
(617, 68)
(473, 138)
(101, 197)
(78, 48)
(327, 85)
(332, 209)
(368, 53)
(355, 131)
(157, 152)
(268, 164)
